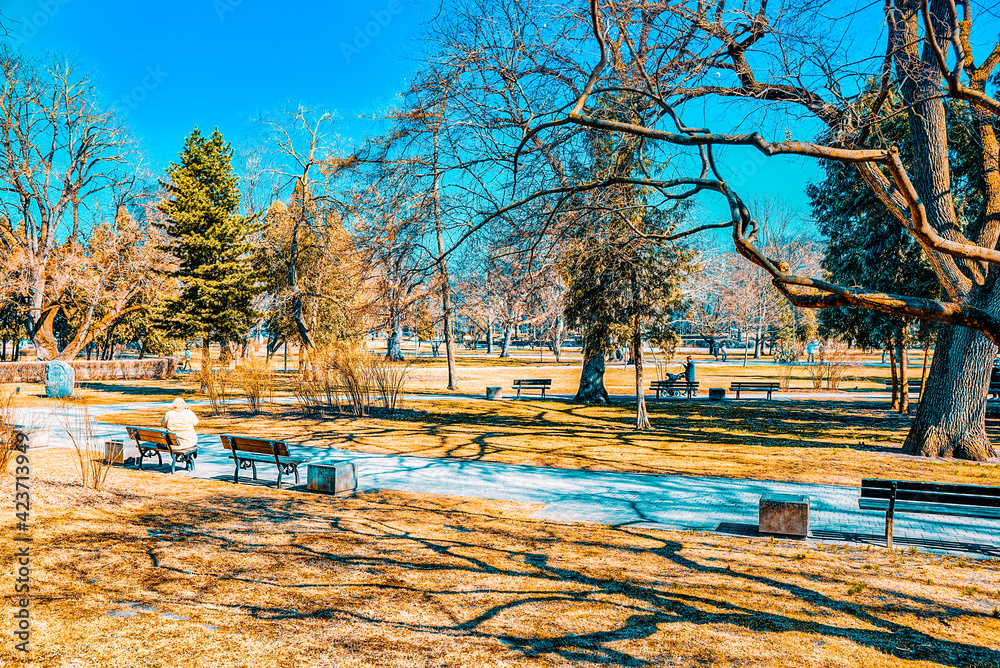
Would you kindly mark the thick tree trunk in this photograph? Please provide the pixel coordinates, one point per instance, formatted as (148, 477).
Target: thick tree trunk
(591, 390)
(394, 346)
(951, 419)
(505, 350)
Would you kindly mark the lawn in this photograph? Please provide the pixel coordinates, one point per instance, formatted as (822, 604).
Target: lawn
(835, 442)
(159, 571)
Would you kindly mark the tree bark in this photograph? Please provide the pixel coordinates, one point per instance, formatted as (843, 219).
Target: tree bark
(904, 387)
(641, 418)
(394, 346)
(591, 390)
(895, 378)
(505, 350)
(489, 335)
(951, 419)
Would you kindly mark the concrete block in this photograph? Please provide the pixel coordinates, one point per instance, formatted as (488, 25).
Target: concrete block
(494, 392)
(332, 478)
(783, 515)
(114, 451)
(716, 393)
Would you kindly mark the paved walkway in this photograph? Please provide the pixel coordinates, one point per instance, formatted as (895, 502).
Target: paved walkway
(685, 503)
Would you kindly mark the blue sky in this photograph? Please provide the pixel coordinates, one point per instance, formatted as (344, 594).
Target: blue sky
(177, 64)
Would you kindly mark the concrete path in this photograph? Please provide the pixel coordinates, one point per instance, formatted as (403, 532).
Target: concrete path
(685, 503)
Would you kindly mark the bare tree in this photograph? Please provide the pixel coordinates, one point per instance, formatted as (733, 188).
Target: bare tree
(72, 215)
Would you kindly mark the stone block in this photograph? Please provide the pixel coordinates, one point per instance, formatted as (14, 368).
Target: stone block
(783, 515)
(716, 393)
(332, 478)
(59, 379)
(494, 392)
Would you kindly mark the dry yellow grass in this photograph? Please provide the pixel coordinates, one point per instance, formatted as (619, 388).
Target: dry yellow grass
(260, 578)
(831, 442)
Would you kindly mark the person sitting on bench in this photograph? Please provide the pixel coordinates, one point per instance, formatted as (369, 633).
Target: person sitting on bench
(181, 420)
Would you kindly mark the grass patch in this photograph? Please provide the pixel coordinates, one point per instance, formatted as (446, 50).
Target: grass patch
(162, 571)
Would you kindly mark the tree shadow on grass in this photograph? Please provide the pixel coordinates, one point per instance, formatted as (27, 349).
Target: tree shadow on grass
(426, 570)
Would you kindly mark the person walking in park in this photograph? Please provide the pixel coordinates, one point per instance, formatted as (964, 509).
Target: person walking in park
(187, 360)
(720, 350)
(811, 352)
(689, 369)
(181, 420)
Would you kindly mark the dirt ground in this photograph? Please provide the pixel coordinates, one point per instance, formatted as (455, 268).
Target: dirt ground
(160, 571)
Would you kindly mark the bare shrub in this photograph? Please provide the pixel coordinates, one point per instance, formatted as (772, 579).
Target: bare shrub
(839, 361)
(818, 371)
(785, 376)
(215, 383)
(12, 439)
(88, 455)
(345, 377)
(389, 379)
(354, 375)
(254, 377)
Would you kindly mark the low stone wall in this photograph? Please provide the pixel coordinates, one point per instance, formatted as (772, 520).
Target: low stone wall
(148, 369)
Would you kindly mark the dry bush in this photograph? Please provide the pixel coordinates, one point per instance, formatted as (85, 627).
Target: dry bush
(12, 440)
(839, 361)
(254, 377)
(88, 455)
(345, 377)
(214, 383)
(389, 379)
(785, 376)
(818, 371)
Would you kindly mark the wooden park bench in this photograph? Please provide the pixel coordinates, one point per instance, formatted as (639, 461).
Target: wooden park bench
(529, 384)
(901, 496)
(669, 387)
(753, 386)
(157, 441)
(247, 451)
(912, 384)
(994, 391)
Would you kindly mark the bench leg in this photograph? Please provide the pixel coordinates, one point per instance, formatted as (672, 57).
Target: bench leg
(236, 473)
(173, 462)
(253, 465)
(296, 470)
(279, 476)
(159, 459)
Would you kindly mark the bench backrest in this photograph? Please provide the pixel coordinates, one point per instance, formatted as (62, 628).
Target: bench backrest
(931, 492)
(533, 381)
(259, 446)
(163, 439)
(754, 383)
(673, 382)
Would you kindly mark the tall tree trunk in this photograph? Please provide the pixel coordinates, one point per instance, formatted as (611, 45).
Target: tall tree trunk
(895, 378)
(904, 384)
(394, 346)
(641, 419)
(591, 389)
(923, 372)
(557, 339)
(489, 335)
(951, 419)
(505, 350)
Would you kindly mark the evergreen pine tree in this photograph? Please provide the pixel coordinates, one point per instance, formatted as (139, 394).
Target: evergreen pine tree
(211, 244)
